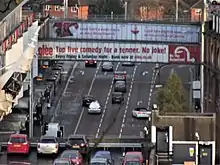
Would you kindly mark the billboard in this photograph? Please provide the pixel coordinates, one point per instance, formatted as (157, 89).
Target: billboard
(125, 31)
(103, 51)
(184, 54)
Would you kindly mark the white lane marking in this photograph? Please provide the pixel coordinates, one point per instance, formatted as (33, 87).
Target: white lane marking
(128, 101)
(64, 91)
(90, 89)
(106, 104)
(105, 73)
(153, 81)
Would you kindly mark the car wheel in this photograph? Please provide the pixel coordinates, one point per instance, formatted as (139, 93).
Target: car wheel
(113, 102)
(103, 70)
(95, 65)
(38, 154)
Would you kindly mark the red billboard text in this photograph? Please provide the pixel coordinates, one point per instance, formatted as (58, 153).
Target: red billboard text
(45, 51)
(184, 54)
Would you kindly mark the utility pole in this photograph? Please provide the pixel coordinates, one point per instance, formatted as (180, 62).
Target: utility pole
(65, 4)
(177, 10)
(126, 9)
(31, 93)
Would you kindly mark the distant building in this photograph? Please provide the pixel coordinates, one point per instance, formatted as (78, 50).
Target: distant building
(197, 11)
(78, 9)
(151, 13)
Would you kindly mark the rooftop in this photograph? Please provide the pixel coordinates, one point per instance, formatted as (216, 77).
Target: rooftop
(71, 2)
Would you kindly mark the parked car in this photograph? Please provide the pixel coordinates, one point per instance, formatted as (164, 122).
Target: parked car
(133, 156)
(18, 143)
(106, 155)
(62, 161)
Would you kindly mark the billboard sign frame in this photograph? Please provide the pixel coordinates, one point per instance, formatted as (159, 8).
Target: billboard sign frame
(152, 32)
(103, 51)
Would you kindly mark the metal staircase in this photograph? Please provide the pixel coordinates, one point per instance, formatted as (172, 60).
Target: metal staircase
(163, 159)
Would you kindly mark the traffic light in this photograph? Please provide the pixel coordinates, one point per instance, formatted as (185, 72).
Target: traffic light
(197, 105)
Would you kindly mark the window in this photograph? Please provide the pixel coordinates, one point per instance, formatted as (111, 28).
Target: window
(57, 8)
(47, 7)
(74, 9)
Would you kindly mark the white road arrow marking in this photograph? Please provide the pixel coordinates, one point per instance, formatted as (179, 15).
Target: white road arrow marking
(145, 73)
(139, 102)
(82, 72)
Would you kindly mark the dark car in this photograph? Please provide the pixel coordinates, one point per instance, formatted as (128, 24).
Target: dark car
(120, 86)
(78, 142)
(120, 76)
(90, 63)
(117, 97)
(87, 100)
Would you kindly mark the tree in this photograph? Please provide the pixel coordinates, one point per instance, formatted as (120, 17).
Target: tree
(171, 97)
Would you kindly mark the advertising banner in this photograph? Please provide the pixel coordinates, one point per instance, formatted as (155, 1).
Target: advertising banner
(103, 51)
(184, 54)
(125, 31)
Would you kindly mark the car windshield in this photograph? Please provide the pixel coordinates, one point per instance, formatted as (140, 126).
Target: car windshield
(98, 163)
(76, 141)
(48, 140)
(120, 83)
(69, 155)
(132, 163)
(117, 94)
(17, 140)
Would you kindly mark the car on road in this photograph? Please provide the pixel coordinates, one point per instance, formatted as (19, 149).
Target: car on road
(134, 156)
(215, 2)
(104, 154)
(99, 161)
(117, 97)
(128, 64)
(61, 161)
(95, 108)
(120, 76)
(73, 155)
(18, 143)
(141, 112)
(107, 66)
(90, 63)
(47, 145)
(78, 142)
(120, 86)
(87, 100)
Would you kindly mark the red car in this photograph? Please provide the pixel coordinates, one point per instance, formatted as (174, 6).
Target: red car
(92, 63)
(18, 143)
(73, 155)
(132, 162)
(135, 155)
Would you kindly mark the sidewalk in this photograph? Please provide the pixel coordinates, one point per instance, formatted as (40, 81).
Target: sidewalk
(55, 96)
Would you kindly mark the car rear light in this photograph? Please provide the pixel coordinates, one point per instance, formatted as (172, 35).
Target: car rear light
(25, 143)
(38, 146)
(56, 145)
(94, 61)
(82, 144)
(86, 61)
(139, 112)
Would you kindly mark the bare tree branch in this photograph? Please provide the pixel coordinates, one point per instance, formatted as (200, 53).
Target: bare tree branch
(7, 6)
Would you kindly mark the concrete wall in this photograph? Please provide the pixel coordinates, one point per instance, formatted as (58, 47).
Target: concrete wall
(185, 125)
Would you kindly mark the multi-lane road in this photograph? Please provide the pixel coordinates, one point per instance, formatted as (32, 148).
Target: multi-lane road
(141, 80)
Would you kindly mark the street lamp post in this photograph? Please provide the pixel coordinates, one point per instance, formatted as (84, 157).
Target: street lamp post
(198, 148)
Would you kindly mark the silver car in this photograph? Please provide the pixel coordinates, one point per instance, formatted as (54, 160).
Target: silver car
(107, 66)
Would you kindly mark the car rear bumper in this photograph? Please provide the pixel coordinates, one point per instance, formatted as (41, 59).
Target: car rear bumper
(94, 111)
(52, 151)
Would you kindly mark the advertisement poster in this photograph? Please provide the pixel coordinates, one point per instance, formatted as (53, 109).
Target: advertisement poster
(103, 51)
(184, 54)
(125, 31)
